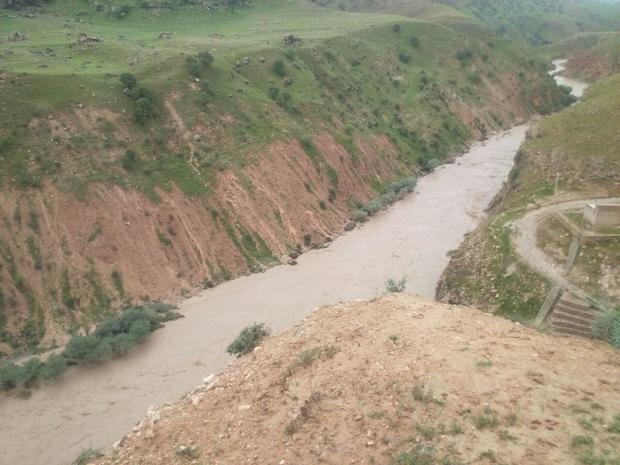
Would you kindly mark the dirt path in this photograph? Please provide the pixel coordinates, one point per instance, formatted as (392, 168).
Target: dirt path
(95, 407)
(525, 242)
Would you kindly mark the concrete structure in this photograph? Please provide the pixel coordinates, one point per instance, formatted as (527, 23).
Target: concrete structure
(602, 215)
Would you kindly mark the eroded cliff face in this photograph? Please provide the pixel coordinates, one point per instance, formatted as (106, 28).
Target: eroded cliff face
(67, 260)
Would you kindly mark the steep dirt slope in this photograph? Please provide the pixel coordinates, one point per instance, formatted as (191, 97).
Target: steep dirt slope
(398, 380)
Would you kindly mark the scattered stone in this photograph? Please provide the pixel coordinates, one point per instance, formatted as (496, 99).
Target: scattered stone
(84, 39)
(16, 36)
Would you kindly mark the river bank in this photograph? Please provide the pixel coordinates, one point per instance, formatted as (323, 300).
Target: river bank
(94, 407)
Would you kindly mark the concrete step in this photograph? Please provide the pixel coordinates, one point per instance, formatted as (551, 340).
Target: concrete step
(563, 326)
(571, 332)
(560, 315)
(575, 305)
(581, 313)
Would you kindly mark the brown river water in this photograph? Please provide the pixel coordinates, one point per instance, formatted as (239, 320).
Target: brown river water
(94, 407)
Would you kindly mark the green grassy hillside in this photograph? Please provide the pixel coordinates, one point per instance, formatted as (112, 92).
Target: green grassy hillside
(218, 166)
(542, 21)
(581, 146)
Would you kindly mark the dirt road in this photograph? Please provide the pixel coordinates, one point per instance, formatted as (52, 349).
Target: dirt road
(525, 242)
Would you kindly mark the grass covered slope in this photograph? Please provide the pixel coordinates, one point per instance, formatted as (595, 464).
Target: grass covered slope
(399, 380)
(541, 22)
(219, 166)
(581, 146)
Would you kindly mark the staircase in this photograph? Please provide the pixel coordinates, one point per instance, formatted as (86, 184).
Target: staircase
(573, 316)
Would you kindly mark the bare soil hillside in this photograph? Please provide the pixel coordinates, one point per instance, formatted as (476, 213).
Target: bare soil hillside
(397, 380)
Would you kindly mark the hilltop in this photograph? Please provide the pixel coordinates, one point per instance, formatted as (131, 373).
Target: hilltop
(397, 380)
(237, 139)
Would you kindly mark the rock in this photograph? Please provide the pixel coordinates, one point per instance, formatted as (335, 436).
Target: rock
(209, 379)
(293, 254)
(350, 226)
(149, 434)
(287, 81)
(291, 40)
(153, 415)
(16, 36)
(243, 408)
(261, 59)
(84, 39)
(291, 262)
(164, 35)
(196, 137)
(246, 61)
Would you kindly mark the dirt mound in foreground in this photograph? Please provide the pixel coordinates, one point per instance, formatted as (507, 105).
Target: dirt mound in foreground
(398, 380)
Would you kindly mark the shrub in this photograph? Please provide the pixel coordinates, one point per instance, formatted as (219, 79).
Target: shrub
(248, 339)
(393, 286)
(372, 207)
(273, 93)
(414, 41)
(54, 366)
(607, 327)
(87, 349)
(144, 110)
(196, 64)
(278, 68)
(205, 58)
(431, 164)
(464, 55)
(128, 80)
(129, 160)
(396, 28)
(9, 377)
(30, 371)
(404, 57)
(86, 456)
(360, 216)
(138, 92)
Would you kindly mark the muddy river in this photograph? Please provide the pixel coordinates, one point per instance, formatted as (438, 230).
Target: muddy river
(94, 407)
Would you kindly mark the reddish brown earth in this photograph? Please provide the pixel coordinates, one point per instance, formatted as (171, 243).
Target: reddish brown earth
(160, 249)
(364, 382)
